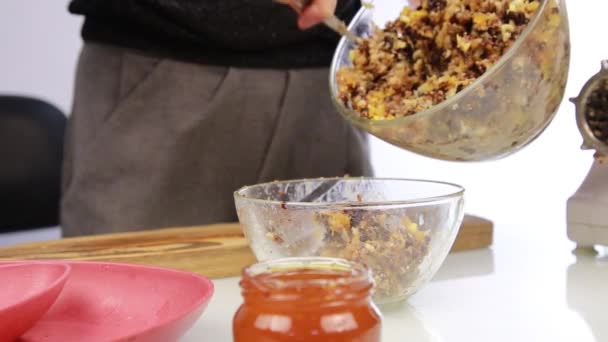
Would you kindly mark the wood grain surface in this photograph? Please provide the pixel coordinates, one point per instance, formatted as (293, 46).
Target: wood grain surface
(214, 251)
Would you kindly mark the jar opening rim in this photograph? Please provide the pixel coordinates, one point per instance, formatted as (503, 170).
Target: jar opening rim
(346, 273)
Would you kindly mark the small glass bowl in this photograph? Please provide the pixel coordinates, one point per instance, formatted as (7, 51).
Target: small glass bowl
(401, 229)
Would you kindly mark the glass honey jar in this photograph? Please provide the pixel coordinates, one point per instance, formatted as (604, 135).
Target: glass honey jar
(307, 299)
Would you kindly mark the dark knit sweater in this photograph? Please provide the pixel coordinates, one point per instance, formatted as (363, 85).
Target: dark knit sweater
(246, 33)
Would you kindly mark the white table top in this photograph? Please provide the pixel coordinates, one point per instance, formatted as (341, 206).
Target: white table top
(528, 287)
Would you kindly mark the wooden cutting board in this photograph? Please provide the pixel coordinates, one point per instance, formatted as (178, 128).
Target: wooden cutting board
(213, 251)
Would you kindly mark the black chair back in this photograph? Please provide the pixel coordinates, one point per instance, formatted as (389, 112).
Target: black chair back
(31, 153)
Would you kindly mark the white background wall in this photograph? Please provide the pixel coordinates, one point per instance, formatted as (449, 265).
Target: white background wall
(39, 43)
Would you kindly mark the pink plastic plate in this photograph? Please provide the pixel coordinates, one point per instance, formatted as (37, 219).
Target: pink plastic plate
(26, 294)
(120, 302)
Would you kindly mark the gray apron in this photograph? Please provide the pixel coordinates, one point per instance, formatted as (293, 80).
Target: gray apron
(155, 143)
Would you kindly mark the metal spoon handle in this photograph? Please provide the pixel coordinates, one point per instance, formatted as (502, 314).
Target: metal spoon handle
(319, 191)
(340, 27)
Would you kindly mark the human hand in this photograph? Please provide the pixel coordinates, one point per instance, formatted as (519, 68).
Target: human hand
(316, 12)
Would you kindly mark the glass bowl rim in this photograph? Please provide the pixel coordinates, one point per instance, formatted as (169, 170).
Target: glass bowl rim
(458, 192)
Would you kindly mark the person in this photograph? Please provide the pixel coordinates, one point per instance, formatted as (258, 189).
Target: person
(178, 103)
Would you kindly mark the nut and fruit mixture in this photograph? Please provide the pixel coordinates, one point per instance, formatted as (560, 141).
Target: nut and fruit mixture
(429, 54)
(393, 254)
(597, 116)
(597, 112)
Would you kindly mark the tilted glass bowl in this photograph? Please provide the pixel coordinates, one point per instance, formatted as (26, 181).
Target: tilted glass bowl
(501, 112)
(401, 229)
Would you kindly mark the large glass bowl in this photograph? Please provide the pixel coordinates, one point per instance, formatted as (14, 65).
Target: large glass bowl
(503, 111)
(401, 229)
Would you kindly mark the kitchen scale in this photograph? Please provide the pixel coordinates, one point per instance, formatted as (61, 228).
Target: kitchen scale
(587, 209)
